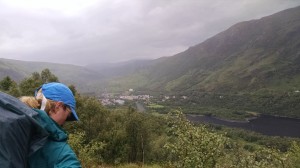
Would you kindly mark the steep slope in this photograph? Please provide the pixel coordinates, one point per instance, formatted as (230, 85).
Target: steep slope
(250, 55)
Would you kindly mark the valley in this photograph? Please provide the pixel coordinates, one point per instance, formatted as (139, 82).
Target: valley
(202, 113)
(157, 84)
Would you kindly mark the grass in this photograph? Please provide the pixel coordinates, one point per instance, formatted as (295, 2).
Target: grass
(155, 106)
(223, 113)
(130, 165)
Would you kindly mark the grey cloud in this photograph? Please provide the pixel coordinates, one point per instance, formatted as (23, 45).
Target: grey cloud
(115, 30)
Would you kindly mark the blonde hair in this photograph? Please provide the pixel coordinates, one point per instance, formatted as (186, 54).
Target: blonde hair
(30, 101)
(36, 102)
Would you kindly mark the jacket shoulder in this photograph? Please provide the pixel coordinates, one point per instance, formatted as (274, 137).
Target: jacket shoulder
(67, 158)
(55, 154)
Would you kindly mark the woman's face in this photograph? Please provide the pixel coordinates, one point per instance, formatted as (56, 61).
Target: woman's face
(60, 113)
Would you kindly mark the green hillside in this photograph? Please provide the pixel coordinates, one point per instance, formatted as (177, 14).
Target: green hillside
(249, 56)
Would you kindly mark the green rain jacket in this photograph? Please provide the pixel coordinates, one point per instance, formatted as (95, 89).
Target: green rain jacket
(56, 153)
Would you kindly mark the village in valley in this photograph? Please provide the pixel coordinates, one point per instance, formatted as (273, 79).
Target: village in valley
(112, 99)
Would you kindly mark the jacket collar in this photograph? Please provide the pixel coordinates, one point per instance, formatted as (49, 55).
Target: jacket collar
(56, 132)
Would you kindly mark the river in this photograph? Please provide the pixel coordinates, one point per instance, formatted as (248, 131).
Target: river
(264, 124)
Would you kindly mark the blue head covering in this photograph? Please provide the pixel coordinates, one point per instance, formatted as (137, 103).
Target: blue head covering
(60, 92)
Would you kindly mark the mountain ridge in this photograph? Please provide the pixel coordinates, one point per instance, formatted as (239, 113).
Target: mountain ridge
(249, 56)
(248, 53)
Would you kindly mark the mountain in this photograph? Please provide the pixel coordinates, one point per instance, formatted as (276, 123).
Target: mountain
(251, 55)
(124, 75)
(119, 68)
(254, 55)
(84, 79)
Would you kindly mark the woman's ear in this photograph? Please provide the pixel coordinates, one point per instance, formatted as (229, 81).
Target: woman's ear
(58, 104)
(56, 107)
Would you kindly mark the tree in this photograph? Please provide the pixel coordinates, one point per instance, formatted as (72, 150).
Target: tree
(47, 76)
(9, 86)
(92, 117)
(192, 146)
(6, 83)
(137, 136)
(73, 89)
(87, 153)
(28, 85)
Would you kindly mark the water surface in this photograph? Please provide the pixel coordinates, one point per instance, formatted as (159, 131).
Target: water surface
(265, 124)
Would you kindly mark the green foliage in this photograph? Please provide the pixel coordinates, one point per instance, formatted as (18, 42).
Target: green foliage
(9, 86)
(73, 89)
(47, 76)
(6, 83)
(14, 90)
(293, 156)
(133, 137)
(155, 106)
(137, 136)
(238, 106)
(256, 139)
(194, 146)
(93, 117)
(132, 165)
(126, 138)
(28, 85)
(88, 153)
(127, 134)
(237, 157)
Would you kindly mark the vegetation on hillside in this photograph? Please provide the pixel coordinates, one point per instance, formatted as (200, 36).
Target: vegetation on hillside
(236, 105)
(251, 68)
(252, 56)
(123, 137)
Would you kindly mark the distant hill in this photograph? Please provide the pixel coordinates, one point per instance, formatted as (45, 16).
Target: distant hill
(251, 55)
(84, 79)
(119, 68)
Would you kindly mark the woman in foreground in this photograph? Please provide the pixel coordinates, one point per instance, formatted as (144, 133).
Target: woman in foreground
(55, 104)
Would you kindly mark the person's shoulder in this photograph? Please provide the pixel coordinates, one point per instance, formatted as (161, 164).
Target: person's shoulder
(43, 119)
(53, 149)
(56, 154)
(67, 157)
(41, 114)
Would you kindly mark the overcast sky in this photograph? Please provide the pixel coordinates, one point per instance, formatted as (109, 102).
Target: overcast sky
(89, 31)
